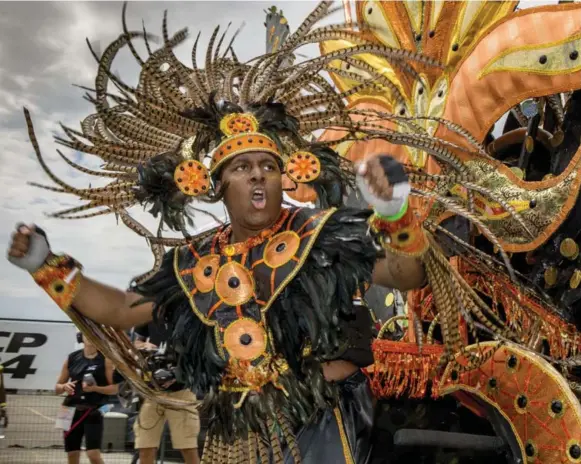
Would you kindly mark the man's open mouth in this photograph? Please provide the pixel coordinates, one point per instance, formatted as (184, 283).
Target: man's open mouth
(259, 198)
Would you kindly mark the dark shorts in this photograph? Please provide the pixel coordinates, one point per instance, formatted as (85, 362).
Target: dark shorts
(90, 427)
(342, 435)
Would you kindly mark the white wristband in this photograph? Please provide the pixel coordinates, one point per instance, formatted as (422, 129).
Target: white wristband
(382, 207)
(38, 251)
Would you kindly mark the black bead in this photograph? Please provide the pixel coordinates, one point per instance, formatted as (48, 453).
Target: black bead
(421, 90)
(59, 288)
(574, 55)
(543, 59)
(280, 247)
(532, 203)
(454, 375)
(522, 401)
(233, 282)
(440, 94)
(530, 450)
(556, 406)
(208, 271)
(512, 361)
(455, 47)
(418, 37)
(575, 451)
(402, 111)
(403, 237)
(492, 383)
(431, 34)
(245, 339)
(370, 10)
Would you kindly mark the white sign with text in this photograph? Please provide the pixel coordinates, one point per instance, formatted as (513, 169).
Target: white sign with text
(33, 353)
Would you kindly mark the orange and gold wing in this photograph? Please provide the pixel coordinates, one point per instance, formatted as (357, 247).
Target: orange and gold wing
(532, 396)
(443, 30)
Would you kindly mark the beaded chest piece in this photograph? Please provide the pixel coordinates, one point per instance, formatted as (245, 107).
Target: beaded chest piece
(231, 287)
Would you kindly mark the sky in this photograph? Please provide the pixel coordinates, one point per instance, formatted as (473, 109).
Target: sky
(42, 53)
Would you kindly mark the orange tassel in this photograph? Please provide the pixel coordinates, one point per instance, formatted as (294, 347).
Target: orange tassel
(401, 369)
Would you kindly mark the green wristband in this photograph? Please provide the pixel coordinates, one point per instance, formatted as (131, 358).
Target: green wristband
(397, 216)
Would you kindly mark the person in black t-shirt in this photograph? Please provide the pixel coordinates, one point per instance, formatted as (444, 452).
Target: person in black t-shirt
(184, 424)
(87, 379)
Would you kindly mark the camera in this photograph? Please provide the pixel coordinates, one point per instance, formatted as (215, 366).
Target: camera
(162, 364)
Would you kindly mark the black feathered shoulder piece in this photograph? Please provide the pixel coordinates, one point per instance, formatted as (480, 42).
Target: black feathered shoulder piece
(229, 308)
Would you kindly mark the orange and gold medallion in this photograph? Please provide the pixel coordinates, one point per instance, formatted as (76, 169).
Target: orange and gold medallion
(303, 166)
(281, 248)
(192, 178)
(245, 339)
(234, 284)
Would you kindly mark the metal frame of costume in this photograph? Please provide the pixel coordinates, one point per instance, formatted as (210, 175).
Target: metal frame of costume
(420, 80)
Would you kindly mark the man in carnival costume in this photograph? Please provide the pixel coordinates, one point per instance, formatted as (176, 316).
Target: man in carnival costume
(261, 310)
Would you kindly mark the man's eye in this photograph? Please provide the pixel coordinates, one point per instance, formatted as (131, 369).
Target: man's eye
(240, 167)
(269, 167)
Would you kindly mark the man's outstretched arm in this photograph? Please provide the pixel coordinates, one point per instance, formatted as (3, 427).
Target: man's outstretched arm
(111, 306)
(384, 184)
(101, 303)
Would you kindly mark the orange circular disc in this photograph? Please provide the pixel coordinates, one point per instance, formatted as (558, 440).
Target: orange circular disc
(238, 123)
(205, 272)
(192, 178)
(245, 339)
(234, 284)
(303, 166)
(281, 248)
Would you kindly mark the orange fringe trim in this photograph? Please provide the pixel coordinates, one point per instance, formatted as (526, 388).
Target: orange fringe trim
(525, 314)
(401, 369)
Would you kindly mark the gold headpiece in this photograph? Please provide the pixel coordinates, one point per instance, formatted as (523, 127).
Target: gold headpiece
(242, 136)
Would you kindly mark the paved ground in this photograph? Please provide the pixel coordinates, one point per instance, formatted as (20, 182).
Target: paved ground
(32, 438)
(13, 456)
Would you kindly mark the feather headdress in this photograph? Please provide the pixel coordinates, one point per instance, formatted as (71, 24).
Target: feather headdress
(161, 141)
